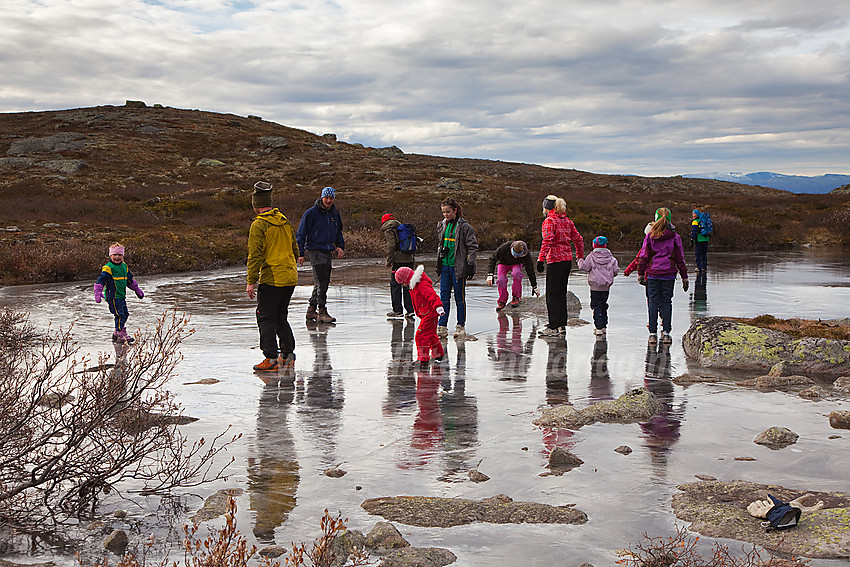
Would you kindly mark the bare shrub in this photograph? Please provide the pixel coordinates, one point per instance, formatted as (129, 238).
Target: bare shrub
(68, 436)
(680, 550)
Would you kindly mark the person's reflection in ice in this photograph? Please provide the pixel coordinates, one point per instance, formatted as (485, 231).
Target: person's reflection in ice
(557, 386)
(401, 384)
(273, 469)
(662, 430)
(699, 299)
(428, 424)
(460, 417)
(557, 392)
(511, 361)
(321, 396)
(600, 380)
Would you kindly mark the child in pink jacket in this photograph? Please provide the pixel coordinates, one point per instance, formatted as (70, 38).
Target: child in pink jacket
(601, 267)
(428, 307)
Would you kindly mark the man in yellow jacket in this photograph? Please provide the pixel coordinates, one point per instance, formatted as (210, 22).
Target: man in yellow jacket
(272, 276)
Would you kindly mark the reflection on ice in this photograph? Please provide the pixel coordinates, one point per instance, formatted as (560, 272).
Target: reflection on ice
(356, 398)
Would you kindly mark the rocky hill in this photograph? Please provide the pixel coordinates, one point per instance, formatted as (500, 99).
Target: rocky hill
(174, 186)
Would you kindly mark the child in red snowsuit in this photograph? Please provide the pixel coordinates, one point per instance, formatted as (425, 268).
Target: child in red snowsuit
(428, 307)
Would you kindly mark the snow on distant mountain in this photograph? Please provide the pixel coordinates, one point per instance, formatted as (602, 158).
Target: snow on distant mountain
(793, 183)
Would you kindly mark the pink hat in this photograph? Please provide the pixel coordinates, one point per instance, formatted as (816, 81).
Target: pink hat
(117, 249)
(403, 275)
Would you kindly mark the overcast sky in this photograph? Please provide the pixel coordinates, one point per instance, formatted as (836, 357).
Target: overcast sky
(609, 86)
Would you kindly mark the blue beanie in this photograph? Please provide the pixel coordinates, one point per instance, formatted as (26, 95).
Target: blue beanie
(695, 211)
(328, 192)
(600, 242)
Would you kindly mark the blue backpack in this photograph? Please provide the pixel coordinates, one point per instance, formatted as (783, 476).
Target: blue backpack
(706, 227)
(407, 238)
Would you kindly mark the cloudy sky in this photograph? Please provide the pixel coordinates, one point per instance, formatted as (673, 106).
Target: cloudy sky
(610, 86)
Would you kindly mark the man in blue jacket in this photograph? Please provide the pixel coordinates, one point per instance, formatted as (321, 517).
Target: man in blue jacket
(319, 235)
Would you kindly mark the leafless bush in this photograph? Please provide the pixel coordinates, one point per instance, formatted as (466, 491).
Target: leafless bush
(68, 436)
(680, 550)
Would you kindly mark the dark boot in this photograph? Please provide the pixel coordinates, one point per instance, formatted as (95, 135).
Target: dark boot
(324, 317)
(312, 314)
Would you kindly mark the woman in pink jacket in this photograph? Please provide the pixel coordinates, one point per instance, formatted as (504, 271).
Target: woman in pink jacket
(557, 257)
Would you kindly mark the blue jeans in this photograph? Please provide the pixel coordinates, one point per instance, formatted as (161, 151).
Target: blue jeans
(660, 300)
(449, 283)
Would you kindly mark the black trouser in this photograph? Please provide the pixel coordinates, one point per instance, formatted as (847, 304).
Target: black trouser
(557, 277)
(599, 306)
(320, 260)
(399, 292)
(272, 309)
(701, 254)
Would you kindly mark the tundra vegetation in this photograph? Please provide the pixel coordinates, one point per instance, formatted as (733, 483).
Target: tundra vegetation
(75, 180)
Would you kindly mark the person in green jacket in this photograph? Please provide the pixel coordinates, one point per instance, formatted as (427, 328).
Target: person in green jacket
(272, 277)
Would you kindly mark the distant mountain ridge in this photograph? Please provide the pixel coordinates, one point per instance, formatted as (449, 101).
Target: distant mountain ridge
(794, 183)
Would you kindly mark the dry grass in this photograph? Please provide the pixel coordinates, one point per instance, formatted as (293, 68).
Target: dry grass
(801, 327)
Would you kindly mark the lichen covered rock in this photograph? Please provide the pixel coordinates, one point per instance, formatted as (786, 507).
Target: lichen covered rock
(718, 509)
(719, 342)
(634, 405)
(446, 512)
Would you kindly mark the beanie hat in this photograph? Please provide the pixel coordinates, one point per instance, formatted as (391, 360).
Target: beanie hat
(116, 249)
(668, 216)
(549, 203)
(600, 242)
(328, 192)
(695, 211)
(519, 249)
(403, 275)
(386, 217)
(261, 198)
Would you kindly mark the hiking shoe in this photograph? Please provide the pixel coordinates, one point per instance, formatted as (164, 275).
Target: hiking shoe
(548, 331)
(410, 316)
(515, 302)
(666, 338)
(421, 364)
(312, 314)
(286, 362)
(395, 315)
(116, 337)
(442, 331)
(459, 332)
(500, 305)
(324, 317)
(599, 332)
(125, 338)
(653, 338)
(267, 365)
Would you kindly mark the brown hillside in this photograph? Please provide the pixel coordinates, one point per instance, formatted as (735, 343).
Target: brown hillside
(73, 181)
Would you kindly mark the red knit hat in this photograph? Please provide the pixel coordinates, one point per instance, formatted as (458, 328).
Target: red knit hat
(403, 275)
(386, 217)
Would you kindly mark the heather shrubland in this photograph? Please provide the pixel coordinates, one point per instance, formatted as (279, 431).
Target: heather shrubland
(142, 183)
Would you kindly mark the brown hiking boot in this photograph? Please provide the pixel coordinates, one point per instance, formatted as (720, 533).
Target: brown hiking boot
(312, 314)
(324, 317)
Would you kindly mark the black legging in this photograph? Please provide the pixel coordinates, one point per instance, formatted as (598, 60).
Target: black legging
(557, 277)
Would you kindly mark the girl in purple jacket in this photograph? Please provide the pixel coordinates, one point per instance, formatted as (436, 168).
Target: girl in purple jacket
(659, 259)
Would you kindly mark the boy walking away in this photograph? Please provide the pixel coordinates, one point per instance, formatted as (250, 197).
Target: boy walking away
(601, 267)
(319, 235)
(701, 230)
(428, 306)
(114, 280)
(272, 277)
(511, 257)
(397, 258)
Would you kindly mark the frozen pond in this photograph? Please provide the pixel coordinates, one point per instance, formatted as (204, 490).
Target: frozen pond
(355, 402)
